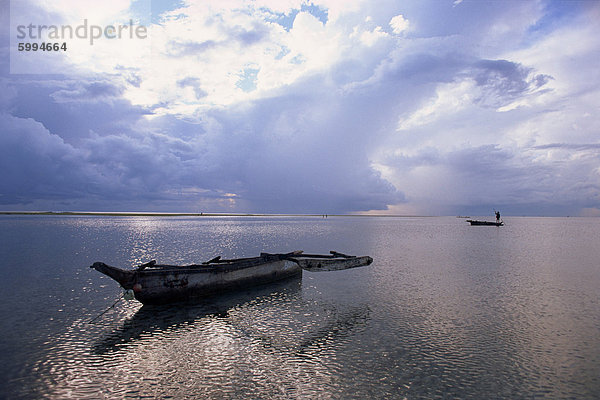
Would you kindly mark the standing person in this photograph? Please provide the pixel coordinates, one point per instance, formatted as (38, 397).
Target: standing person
(497, 215)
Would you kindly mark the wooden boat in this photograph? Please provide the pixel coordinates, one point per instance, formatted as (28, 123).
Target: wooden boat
(493, 223)
(152, 283)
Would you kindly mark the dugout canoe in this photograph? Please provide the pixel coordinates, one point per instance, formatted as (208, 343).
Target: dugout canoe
(153, 283)
(491, 223)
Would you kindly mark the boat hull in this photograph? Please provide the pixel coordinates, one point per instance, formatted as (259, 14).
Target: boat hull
(160, 286)
(486, 223)
(332, 264)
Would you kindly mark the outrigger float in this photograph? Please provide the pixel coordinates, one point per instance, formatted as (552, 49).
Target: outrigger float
(153, 283)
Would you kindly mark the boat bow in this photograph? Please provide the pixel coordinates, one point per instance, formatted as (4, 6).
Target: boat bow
(124, 277)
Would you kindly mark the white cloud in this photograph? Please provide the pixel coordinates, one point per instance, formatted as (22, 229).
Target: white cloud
(280, 6)
(369, 38)
(399, 24)
(565, 55)
(74, 11)
(336, 9)
(449, 99)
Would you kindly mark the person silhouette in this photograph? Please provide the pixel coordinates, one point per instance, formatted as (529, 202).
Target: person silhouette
(497, 215)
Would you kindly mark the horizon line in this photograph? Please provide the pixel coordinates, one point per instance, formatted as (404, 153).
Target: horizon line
(197, 214)
(235, 214)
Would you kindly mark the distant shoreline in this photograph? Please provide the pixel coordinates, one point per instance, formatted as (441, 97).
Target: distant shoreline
(201, 214)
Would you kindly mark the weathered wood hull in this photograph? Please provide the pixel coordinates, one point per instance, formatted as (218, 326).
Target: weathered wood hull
(165, 285)
(332, 264)
(159, 284)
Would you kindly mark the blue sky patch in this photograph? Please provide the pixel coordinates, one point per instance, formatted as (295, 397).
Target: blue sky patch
(247, 81)
(287, 20)
(159, 7)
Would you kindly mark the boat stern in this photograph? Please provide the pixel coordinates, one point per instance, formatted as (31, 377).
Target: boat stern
(315, 264)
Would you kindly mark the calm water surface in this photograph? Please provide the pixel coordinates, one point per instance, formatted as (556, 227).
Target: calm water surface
(445, 311)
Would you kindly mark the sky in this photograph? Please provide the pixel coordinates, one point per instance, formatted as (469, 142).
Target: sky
(291, 106)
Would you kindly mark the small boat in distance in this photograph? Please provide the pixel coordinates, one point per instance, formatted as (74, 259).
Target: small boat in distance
(152, 283)
(492, 223)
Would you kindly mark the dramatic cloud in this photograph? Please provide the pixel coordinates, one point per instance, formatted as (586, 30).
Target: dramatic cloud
(447, 107)
(36, 164)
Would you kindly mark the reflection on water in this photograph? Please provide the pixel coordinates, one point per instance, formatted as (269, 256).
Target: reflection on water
(445, 311)
(152, 320)
(269, 340)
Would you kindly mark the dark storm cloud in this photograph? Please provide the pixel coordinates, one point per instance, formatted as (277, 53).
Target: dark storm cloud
(502, 81)
(294, 154)
(491, 176)
(36, 164)
(73, 108)
(284, 154)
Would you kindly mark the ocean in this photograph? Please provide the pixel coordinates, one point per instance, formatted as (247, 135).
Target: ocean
(446, 310)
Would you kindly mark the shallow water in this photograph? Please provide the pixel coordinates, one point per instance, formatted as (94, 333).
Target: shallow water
(446, 310)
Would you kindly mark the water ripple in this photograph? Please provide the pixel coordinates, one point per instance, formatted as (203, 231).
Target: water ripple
(445, 311)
